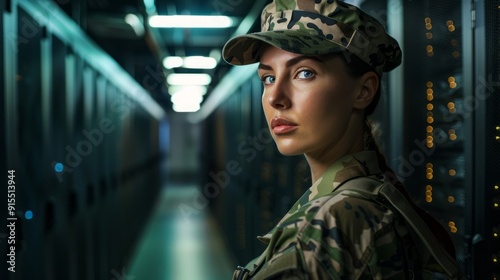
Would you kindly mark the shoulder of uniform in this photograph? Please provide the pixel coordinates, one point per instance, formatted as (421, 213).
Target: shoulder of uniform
(350, 216)
(349, 225)
(344, 202)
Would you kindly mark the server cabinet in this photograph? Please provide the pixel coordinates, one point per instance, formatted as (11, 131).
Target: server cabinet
(434, 169)
(82, 137)
(451, 157)
(485, 181)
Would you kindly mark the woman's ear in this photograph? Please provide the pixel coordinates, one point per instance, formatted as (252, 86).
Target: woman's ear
(369, 83)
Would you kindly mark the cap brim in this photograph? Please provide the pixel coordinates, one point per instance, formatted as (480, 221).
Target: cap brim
(245, 49)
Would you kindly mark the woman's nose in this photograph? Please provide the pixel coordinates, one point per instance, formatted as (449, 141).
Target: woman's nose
(278, 98)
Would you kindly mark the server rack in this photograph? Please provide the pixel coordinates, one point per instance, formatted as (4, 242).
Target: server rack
(451, 112)
(485, 181)
(82, 137)
(434, 166)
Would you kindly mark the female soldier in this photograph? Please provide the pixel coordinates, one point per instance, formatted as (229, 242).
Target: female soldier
(321, 63)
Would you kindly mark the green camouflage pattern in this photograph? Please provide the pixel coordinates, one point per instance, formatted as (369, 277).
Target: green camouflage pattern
(318, 27)
(335, 237)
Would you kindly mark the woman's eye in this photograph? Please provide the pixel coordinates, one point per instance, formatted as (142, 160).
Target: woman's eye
(305, 74)
(268, 80)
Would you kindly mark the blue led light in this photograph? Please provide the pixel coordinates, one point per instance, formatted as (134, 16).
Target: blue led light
(28, 215)
(59, 167)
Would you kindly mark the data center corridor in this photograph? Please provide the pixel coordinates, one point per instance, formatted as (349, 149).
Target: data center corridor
(122, 161)
(176, 246)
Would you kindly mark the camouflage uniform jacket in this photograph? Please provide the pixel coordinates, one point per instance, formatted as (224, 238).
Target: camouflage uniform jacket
(334, 237)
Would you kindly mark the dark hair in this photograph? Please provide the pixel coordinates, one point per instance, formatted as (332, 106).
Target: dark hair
(356, 68)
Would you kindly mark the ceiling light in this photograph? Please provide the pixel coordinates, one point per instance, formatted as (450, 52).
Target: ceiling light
(186, 101)
(201, 90)
(173, 62)
(186, 108)
(191, 62)
(199, 62)
(186, 98)
(189, 79)
(187, 21)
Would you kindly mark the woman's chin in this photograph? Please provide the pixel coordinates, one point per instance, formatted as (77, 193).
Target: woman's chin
(288, 151)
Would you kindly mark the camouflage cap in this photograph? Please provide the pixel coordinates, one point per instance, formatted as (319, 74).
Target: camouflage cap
(317, 27)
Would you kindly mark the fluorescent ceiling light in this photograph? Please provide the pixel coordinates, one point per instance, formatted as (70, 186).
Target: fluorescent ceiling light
(189, 108)
(187, 21)
(201, 90)
(173, 62)
(186, 98)
(189, 79)
(199, 62)
(186, 101)
(191, 62)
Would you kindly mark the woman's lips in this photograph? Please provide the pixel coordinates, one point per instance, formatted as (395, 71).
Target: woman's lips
(282, 126)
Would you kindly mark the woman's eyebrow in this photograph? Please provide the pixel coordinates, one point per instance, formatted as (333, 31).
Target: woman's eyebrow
(265, 67)
(298, 59)
(291, 62)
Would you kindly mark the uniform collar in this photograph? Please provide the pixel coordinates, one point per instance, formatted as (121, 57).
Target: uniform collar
(342, 170)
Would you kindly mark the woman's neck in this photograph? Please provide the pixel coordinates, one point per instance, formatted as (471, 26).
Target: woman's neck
(319, 166)
(352, 142)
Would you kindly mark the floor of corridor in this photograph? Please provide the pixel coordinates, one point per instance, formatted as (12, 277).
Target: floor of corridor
(174, 247)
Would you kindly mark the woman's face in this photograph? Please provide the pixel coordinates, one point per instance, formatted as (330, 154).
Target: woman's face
(308, 102)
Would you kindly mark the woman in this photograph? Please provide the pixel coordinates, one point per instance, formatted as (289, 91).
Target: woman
(320, 63)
